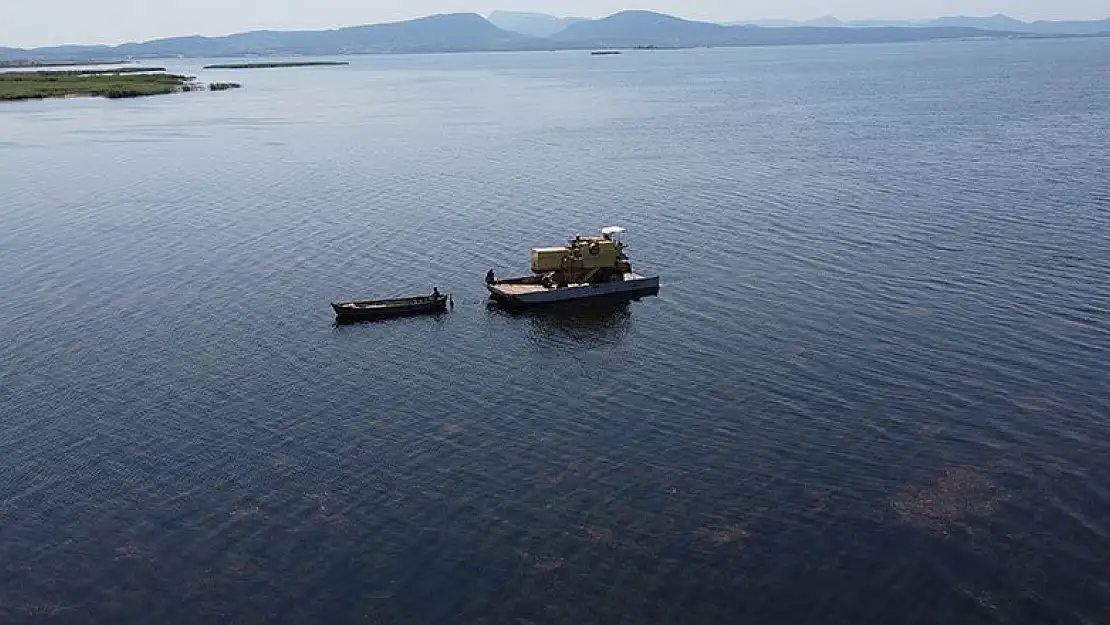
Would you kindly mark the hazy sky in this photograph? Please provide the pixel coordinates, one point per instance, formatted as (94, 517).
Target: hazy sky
(47, 22)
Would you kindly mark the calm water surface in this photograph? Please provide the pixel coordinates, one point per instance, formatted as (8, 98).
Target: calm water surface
(875, 387)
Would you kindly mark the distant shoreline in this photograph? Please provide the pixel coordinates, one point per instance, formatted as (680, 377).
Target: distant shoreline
(36, 63)
(274, 65)
(576, 47)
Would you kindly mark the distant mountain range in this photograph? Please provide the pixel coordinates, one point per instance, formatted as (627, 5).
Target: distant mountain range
(643, 28)
(467, 32)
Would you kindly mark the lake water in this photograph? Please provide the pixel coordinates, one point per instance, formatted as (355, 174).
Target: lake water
(874, 388)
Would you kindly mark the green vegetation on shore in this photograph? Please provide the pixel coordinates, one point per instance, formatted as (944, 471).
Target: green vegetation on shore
(273, 65)
(130, 83)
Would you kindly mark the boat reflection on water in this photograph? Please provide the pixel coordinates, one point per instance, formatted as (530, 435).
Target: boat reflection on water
(434, 318)
(589, 322)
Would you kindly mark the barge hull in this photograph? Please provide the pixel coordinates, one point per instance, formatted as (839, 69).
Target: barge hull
(529, 295)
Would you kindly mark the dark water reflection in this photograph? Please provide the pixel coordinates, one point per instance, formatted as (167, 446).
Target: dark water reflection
(588, 323)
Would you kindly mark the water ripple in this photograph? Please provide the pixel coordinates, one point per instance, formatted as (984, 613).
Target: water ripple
(878, 359)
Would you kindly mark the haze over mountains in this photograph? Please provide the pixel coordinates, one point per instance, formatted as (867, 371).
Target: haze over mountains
(532, 24)
(994, 22)
(508, 31)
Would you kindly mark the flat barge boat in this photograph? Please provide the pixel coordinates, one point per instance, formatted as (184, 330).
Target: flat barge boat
(586, 268)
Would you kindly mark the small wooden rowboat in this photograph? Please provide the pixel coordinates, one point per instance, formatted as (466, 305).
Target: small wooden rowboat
(364, 310)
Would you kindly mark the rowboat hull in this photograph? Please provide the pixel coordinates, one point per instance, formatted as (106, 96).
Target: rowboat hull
(386, 309)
